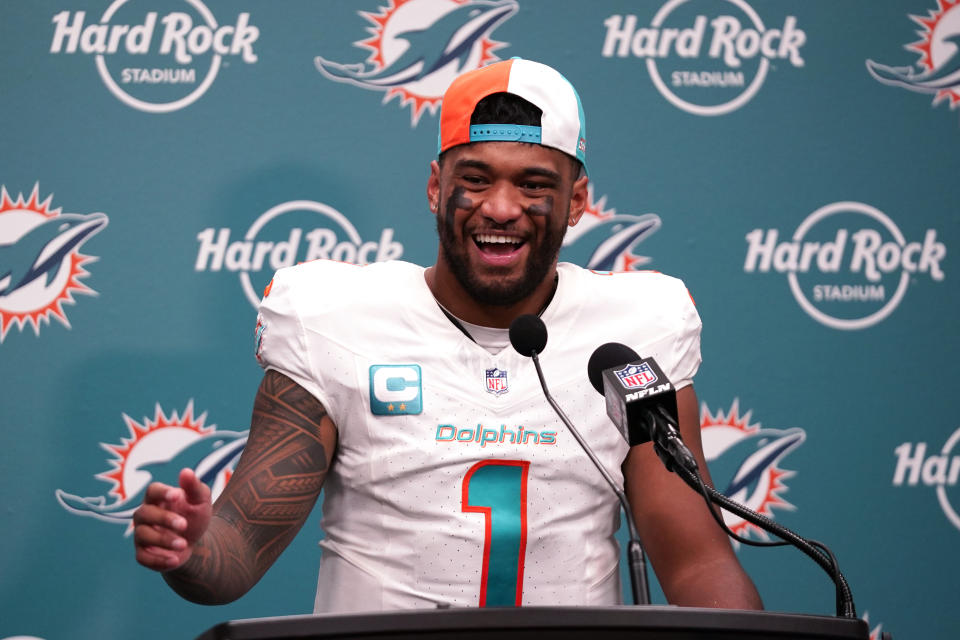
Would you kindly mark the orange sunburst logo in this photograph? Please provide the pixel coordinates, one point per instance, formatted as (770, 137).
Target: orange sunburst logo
(617, 249)
(933, 47)
(155, 450)
(40, 260)
(744, 462)
(417, 48)
(596, 212)
(595, 208)
(144, 442)
(938, 69)
(877, 632)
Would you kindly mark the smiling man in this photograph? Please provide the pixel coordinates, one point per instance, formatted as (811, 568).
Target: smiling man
(505, 210)
(449, 480)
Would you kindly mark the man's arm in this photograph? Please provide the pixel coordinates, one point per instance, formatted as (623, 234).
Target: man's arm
(271, 493)
(693, 559)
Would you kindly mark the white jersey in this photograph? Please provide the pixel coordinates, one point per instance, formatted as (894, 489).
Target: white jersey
(454, 482)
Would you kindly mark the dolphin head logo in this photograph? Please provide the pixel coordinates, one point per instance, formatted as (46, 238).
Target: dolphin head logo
(207, 456)
(41, 251)
(739, 468)
(938, 69)
(601, 243)
(452, 37)
(944, 76)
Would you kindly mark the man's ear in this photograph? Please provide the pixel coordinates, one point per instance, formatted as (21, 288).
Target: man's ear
(433, 187)
(578, 200)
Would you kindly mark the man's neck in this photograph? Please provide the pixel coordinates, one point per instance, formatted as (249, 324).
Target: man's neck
(452, 296)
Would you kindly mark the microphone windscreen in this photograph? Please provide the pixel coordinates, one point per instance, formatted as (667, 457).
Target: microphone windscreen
(608, 356)
(528, 334)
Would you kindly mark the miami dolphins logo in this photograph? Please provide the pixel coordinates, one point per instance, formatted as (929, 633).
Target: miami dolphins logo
(877, 632)
(419, 46)
(938, 70)
(605, 240)
(744, 461)
(40, 260)
(155, 451)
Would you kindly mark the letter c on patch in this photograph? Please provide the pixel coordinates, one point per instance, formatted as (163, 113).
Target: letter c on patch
(395, 389)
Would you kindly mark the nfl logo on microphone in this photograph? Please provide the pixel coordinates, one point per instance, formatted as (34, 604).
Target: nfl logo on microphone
(636, 376)
(496, 381)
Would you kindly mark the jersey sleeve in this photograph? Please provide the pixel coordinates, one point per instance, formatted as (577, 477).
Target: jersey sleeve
(280, 338)
(685, 353)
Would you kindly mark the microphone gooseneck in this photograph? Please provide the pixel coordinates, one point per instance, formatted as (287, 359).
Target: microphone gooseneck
(528, 335)
(816, 551)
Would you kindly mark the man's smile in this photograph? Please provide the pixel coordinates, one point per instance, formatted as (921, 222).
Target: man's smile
(498, 249)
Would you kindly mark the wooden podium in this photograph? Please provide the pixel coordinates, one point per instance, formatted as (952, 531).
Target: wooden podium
(548, 623)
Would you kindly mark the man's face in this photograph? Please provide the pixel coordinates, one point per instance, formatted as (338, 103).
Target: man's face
(502, 211)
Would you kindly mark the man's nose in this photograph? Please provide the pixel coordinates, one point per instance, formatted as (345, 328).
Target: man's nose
(501, 204)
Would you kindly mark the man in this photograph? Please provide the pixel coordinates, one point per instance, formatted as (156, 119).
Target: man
(439, 493)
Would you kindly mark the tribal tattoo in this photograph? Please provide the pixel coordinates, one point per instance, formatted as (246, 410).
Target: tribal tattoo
(272, 492)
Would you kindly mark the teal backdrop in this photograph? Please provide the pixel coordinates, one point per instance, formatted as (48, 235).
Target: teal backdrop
(794, 162)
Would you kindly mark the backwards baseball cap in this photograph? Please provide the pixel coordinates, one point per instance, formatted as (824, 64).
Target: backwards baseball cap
(562, 125)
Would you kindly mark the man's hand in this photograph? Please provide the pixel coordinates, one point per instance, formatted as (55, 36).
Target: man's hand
(170, 521)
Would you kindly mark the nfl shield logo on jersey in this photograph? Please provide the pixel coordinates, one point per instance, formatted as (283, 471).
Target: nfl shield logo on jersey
(496, 381)
(636, 376)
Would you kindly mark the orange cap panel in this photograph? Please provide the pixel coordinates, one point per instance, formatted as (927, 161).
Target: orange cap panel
(462, 97)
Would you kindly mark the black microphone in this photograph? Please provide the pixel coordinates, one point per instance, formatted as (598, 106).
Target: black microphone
(641, 401)
(528, 335)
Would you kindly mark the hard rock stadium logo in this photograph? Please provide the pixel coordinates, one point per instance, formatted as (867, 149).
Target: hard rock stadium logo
(938, 69)
(848, 264)
(417, 48)
(919, 464)
(288, 234)
(744, 460)
(706, 57)
(155, 450)
(152, 61)
(40, 260)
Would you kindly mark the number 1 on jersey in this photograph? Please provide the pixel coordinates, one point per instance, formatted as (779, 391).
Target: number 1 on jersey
(498, 489)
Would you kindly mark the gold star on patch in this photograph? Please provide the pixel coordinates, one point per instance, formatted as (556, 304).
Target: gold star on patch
(403, 406)
(390, 407)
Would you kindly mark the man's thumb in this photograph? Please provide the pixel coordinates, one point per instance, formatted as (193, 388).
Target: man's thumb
(195, 491)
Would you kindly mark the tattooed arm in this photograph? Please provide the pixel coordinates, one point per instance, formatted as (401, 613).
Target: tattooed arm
(215, 555)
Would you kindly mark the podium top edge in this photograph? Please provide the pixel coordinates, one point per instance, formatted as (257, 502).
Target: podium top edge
(543, 618)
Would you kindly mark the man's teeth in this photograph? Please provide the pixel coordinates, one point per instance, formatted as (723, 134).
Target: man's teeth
(492, 239)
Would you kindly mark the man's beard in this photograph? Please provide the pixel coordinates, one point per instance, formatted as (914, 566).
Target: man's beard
(500, 292)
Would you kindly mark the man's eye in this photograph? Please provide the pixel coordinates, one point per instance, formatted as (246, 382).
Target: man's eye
(535, 186)
(472, 179)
